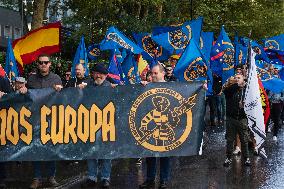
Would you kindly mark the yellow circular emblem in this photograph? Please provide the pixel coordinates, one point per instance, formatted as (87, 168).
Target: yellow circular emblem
(165, 122)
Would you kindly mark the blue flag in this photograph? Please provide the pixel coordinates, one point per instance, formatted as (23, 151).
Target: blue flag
(270, 82)
(276, 42)
(206, 43)
(130, 69)
(241, 54)
(114, 39)
(11, 68)
(113, 69)
(261, 55)
(192, 64)
(94, 52)
(80, 58)
(276, 56)
(152, 51)
(176, 41)
(222, 56)
(163, 29)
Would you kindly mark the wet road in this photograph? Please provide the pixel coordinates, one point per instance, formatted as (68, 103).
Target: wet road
(197, 172)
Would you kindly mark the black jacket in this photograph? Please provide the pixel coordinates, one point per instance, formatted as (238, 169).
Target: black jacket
(73, 82)
(234, 95)
(37, 81)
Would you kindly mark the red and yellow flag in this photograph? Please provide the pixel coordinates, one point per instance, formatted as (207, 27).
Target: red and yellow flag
(42, 40)
(264, 102)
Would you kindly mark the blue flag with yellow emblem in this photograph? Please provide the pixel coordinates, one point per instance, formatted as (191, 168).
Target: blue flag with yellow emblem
(114, 39)
(152, 51)
(130, 69)
(269, 81)
(177, 40)
(81, 57)
(222, 56)
(206, 43)
(276, 42)
(192, 65)
(11, 68)
(94, 52)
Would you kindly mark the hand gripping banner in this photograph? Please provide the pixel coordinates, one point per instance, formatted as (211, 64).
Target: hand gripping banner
(160, 119)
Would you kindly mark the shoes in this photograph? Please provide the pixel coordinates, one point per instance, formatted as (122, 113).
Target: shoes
(268, 130)
(228, 162)
(36, 184)
(275, 138)
(52, 182)
(255, 152)
(237, 151)
(163, 185)
(247, 162)
(147, 184)
(105, 183)
(89, 183)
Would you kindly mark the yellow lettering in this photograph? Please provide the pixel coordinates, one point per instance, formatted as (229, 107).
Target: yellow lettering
(3, 124)
(70, 125)
(12, 126)
(45, 111)
(83, 133)
(27, 138)
(95, 121)
(108, 126)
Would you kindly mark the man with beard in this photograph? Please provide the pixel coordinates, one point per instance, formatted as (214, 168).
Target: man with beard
(99, 79)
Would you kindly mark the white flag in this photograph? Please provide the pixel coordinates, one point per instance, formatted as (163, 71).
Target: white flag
(253, 107)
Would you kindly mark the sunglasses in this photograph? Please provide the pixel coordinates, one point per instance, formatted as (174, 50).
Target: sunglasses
(67, 74)
(43, 62)
(169, 69)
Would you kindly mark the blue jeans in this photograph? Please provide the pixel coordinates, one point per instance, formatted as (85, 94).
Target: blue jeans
(152, 168)
(221, 105)
(50, 167)
(104, 171)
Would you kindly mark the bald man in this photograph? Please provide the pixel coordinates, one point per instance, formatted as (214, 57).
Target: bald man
(80, 80)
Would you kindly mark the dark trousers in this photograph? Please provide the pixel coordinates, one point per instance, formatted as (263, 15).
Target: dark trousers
(221, 105)
(211, 100)
(151, 163)
(2, 171)
(234, 127)
(50, 169)
(276, 109)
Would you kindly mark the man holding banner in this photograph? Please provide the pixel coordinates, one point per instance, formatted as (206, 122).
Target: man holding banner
(99, 79)
(44, 79)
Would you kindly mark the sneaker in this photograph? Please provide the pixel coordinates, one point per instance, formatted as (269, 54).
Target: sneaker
(36, 184)
(269, 130)
(105, 183)
(52, 182)
(237, 151)
(147, 184)
(275, 138)
(163, 185)
(247, 162)
(228, 162)
(255, 152)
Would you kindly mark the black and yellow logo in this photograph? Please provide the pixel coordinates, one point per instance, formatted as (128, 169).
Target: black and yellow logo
(167, 123)
(179, 39)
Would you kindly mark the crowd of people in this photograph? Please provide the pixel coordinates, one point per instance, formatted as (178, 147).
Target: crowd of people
(226, 104)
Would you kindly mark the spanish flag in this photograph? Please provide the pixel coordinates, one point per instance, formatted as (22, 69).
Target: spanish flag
(142, 65)
(44, 40)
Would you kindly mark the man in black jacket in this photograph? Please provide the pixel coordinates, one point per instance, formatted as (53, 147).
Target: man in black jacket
(236, 118)
(80, 78)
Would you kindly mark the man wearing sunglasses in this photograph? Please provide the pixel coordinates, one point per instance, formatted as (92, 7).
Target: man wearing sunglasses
(44, 78)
